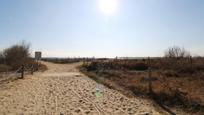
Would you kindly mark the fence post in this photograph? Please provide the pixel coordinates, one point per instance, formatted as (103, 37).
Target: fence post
(149, 76)
(22, 72)
(191, 62)
(32, 70)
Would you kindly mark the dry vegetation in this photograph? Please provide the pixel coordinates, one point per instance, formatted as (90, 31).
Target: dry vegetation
(62, 60)
(177, 79)
(12, 59)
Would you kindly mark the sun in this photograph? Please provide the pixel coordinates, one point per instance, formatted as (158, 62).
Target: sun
(108, 7)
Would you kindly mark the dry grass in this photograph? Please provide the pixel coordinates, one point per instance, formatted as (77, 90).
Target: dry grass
(42, 67)
(177, 85)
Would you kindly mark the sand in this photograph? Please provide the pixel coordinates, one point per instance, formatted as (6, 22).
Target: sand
(62, 89)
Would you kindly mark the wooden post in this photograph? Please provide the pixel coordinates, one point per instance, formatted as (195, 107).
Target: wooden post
(32, 70)
(149, 76)
(22, 72)
(191, 62)
(37, 65)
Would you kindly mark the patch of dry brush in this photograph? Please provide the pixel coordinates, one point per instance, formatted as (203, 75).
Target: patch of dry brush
(177, 82)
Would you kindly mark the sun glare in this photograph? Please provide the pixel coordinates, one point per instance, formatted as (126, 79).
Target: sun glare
(108, 7)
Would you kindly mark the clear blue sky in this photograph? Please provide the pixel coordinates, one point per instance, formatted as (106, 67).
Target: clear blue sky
(63, 28)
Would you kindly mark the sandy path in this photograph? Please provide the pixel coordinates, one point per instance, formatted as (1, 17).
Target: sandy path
(64, 90)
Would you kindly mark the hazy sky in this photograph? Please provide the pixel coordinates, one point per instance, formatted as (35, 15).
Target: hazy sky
(63, 28)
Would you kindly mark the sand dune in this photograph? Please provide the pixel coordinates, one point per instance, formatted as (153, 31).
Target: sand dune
(62, 89)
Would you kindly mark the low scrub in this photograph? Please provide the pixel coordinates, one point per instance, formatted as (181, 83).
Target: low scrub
(176, 84)
(62, 60)
(117, 65)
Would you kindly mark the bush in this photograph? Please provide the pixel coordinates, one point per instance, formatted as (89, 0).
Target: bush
(137, 66)
(17, 55)
(176, 52)
(92, 67)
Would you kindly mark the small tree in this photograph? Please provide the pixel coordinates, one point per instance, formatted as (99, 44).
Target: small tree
(178, 60)
(17, 55)
(177, 52)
